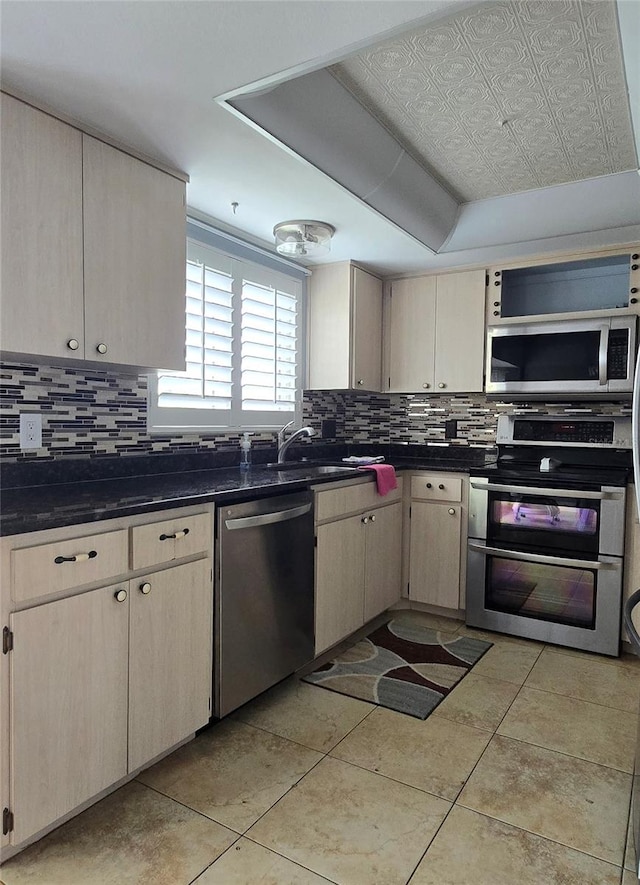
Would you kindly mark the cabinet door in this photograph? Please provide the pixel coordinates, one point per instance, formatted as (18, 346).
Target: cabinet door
(170, 657)
(366, 333)
(383, 560)
(68, 705)
(459, 343)
(434, 570)
(134, 260)
(339, 580)
(410, 335)
(41, 166)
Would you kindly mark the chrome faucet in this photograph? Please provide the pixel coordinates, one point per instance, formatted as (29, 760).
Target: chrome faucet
(283, 444)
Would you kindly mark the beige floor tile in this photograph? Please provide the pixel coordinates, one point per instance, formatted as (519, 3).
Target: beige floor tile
(133, 836)
(304, 713)
(472, 848)
(435, 754)
(246, 863)
(589, 731)
(589, 679)
(352, 826)
(500, 638)
(511, 662)
(232, 773)
(478, 701)
(629, 878)
(567, 800)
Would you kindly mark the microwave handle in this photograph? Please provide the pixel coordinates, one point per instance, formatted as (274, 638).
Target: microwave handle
(603, 355)
(539, 558)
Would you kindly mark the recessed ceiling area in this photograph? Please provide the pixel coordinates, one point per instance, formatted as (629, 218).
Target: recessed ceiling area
(148, 75)
(504, 98)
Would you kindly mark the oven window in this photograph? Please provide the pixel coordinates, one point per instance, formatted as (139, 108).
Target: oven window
(560, 594)
(546, 517)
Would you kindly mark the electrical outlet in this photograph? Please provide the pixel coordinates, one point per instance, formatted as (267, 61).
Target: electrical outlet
(30, 431)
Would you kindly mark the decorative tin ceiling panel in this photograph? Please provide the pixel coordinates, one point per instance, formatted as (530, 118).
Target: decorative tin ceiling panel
(504, 97)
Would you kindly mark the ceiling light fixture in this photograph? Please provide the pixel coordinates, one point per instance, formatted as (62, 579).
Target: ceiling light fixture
(303, 237)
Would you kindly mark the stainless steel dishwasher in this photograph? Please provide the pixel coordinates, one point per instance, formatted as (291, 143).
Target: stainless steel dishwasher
(264, 596)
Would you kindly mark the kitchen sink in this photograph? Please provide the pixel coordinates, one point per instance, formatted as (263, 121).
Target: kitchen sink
(310, 468)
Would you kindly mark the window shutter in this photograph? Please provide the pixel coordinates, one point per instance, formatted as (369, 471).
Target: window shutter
(207, 381)
(269, 356)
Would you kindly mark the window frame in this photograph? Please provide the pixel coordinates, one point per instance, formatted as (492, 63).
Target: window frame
(265, 269)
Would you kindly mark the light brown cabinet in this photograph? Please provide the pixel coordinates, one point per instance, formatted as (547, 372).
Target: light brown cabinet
(93, 248)
(358, 558)
(108, 665)
(345, 329)
(434, 333)
(438, 538)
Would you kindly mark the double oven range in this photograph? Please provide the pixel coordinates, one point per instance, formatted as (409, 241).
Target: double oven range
(546, 531)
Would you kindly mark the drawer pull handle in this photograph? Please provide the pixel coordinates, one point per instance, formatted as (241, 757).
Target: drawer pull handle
(373, 517)
(428, 485)
(364, 520)
(175, 536)
(145, 588)
(441, 486)
(120, 595)
(79, 557)
(452, 512)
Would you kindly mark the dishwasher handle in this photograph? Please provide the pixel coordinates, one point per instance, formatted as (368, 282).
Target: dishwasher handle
(249, 522)
(629, 606)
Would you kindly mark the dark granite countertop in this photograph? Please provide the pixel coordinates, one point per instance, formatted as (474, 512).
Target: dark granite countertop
(49, 496)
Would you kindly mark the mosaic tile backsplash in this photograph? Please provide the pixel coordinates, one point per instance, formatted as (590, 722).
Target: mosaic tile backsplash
(90, 413)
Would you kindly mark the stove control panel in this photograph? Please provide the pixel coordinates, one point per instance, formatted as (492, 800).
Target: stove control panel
(556, 430)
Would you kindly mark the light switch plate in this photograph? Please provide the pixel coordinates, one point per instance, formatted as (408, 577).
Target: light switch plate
(30, 431)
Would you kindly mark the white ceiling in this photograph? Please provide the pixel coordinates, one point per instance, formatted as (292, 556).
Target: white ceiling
(147, 73)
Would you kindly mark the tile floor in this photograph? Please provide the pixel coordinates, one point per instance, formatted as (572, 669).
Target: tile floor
(522, 775)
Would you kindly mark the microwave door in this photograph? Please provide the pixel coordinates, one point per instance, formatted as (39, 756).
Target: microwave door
(546, 360)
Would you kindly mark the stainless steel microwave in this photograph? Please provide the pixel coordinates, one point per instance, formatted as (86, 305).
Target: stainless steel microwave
(577, 358)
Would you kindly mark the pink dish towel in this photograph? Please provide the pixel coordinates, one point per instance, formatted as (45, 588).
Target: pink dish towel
(385, 477)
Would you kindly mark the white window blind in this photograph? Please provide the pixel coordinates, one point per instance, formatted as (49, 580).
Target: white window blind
(243, 353)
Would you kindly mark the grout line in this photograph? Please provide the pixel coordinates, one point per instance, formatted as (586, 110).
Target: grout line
(284, 856)
(571, 697)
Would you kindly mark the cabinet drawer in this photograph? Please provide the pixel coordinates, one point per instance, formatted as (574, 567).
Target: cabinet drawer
(436, 487)
(160, 542)
(63, 565)
(334, 503)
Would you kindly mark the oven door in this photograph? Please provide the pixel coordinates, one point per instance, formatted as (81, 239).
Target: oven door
(584, 522)
(558, 599)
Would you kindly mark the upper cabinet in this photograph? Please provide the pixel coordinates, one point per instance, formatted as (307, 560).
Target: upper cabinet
(434, 333)
(345, 329)
(93, 248)
(574, 286)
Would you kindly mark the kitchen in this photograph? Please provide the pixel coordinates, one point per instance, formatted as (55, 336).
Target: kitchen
(98, 412)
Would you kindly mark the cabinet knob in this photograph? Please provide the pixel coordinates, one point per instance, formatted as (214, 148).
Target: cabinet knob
(496, 304)
(441, 486)
(372, 517)
(426, 385)
(428, 485)
(634, 291)
(120, 595)
(635, 257)
(73, 344)
(633, 300)
(364, 520)
(145, 588)
(442, 385)
(101, 348)
(360, 382)
(452, 511)
(634, 267)
(496, 313)
(497, 283)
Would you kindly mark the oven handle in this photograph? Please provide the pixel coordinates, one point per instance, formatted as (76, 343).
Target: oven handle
(603, 353)
(547, 493)
(545, 560)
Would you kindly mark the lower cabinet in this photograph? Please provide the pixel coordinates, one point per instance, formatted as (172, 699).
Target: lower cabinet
(106, 679)
(438, 538)
(358, 559)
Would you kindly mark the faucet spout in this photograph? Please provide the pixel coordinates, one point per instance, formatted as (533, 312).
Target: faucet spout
(283, 444)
